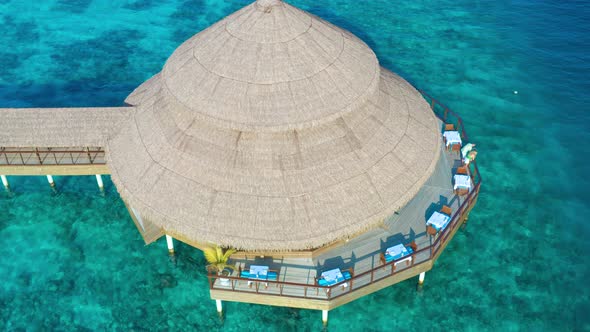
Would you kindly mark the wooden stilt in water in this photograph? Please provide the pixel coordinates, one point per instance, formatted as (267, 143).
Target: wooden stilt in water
(50, 180)
(421, 278)
(5, 182)
(219, 308)
(325, 317)
(464, 224)
(170, 242)
(99, 181)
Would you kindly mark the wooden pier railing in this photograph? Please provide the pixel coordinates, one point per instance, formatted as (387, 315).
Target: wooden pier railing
(52, 160)
(51, 156)
(448, 116)
(424, 257)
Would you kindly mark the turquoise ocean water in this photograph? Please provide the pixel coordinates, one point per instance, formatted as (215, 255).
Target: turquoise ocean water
(72, 259)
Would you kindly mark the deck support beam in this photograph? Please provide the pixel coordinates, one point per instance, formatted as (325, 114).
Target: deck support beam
(219, 308)
(170, 242)
(50, 180)
(421, 278)
(325, 317)
(5, 182)
(99, 181)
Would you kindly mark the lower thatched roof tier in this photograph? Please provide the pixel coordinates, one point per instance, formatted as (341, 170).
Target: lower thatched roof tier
(282, 190)
(60, 127)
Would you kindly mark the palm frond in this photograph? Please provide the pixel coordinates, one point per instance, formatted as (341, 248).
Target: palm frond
(228, 253)
(217, 259)
(210, 255)
(219, 254)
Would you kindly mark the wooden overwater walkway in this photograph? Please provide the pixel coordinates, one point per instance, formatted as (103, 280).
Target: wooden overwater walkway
(296, 285)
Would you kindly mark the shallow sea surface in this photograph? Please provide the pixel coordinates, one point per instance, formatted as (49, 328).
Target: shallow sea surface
(73, 260)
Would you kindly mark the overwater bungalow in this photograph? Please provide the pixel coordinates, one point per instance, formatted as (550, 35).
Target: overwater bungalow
(278, 134)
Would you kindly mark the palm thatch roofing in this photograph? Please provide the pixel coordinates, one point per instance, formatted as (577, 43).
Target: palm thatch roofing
(60, 127)
(270, 130)
(273, 130)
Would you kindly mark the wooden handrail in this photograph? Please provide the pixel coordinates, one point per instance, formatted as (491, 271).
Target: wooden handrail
(49, 151)
(457, 215)
(42, 156)
(433, 102)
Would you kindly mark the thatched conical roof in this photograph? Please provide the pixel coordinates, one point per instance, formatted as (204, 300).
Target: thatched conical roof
(273, 130)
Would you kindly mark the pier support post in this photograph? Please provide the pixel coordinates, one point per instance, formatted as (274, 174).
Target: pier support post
(219, 308)
(50, 180)
(5, 182)
(325, 317)
(170, 242)
(464, 223)
(421, 278)
(99, 181)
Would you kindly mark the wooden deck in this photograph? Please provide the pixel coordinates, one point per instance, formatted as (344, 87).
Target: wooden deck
(296, 285)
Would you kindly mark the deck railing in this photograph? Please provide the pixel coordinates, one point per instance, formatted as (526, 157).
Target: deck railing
(378, 273)
(51, 156)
